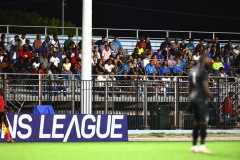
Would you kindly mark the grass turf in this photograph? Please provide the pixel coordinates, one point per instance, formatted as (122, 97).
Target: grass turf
(117, 151)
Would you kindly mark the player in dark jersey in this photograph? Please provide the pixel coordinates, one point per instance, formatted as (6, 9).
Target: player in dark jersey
(199, 94)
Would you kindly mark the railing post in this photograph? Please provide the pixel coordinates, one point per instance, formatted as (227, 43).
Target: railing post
(177, 103)
(45, 31)
(73, 93)
(167, 33)
(7, 33)
(77, 34)
(213, 35)
(39, 89)
(106, 98)
(218, 106)
(190, 35)
(107, 32)
(137, 34)
(145, 106)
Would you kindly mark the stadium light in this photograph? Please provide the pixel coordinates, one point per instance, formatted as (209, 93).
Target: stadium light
(86, 83)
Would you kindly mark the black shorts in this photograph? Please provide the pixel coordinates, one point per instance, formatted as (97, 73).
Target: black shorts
(200, 110)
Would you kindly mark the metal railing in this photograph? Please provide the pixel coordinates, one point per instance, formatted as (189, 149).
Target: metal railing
(158, 104)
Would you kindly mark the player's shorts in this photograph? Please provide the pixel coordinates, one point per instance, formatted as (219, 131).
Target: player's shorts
(200, 110)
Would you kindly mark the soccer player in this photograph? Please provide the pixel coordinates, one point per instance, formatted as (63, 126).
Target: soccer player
(199, 94)
(3, 121)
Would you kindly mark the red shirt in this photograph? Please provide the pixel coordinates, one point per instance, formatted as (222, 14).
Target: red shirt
(1, 104)
(141, 44)
(228, 105)
(24, 54)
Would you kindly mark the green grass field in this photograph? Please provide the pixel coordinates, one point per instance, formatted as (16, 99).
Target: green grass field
(117, 151)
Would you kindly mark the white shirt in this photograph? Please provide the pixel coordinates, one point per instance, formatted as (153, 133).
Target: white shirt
(55, 44)
(146, 62)
(23, 40)
(55, 60)
(1, 58)
(36, 65)
(101, 78)
(67, 66)
(98, 55)
(109, 68)
(236, 51)
(196, 58)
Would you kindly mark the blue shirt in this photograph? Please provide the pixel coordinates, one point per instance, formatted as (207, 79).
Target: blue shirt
(139, 64)
(183, 63)
(191, 47)
(209, 55)
(117, 45)
(226, 66)
(150, 69)
(177, 69)
(159, 57)
(124, 67)
(165, 70)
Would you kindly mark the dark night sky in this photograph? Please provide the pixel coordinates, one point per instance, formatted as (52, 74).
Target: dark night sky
(210, 14)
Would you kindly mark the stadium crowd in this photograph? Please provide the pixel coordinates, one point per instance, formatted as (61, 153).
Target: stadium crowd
(109, 57)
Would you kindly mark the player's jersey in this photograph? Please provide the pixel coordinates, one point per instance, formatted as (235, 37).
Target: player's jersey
(197, 76)
(1, 104)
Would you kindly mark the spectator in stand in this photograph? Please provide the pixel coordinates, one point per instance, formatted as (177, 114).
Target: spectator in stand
(23, 38)
(222, 52)
(135, 53)
(141, 45)
(165, 68)
(140, 63)
(20, 66)
(229, 49)
(178, 68)
(214, 53)
(3, 42)
(114, 51)
(159, 55)
(101, 43)
(209, 53)
(1, 55)
(171, 62)
(14, 42)
(36, 63)
(61, 55)
(55, 44)
(236, 51)
(106, 52)
(99, 68)
(66, 70)
(196, 57)
(175, 48)
(148, 44)
(25, 53)
(95, 58)
(45, 45)
(217, 44)
(200, 45)
(118, 61)
(14, 55)
(67, 42)
(109, 66)
(29, 66)
(126, 67)
(5, 63)
(155, 61)
(70, 49)
(146, 60)
(77, 69)
(55, 63)
(151, 70)
(222, 72)
(30, 48)
(165, 46)
(37, 44)
(189, 66)
(217, 64)
(44, 59)
(41, 69)
(118, 46)
(228, 108)
(183, 45)
(226, 65)
(95, 49)
(190, 45)
(182, 61)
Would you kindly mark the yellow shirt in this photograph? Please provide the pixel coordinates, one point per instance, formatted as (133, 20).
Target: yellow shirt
(217, 65)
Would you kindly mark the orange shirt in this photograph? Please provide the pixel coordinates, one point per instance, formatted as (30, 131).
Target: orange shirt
(1, 104)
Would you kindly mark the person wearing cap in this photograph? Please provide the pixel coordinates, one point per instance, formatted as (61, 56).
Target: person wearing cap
(215, 41)
(190, 45)
(67, 42)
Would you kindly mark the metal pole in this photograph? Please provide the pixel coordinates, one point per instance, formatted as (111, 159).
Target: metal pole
(107, 32)
(175, 105)
(77, 35)
(7, 33)
(145, 103)
(167, 33)
(63, 4)
(73, 93)
(190, 35)
(45, 31)
(213, 35)
(40, 90)
(106, 99)
(137, 34)
(86, 91)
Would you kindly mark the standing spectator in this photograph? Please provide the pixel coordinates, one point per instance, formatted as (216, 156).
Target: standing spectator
(66, 70)
(228, 108)
(217, 44)
(171, 62)
(67, 42)
(148, 44)
(23, 38)
(151, 70)
(164, 47)
(200, 45)
(37, 44)
(55, 43)
(217, 64)
(190, 45)
(106, 52)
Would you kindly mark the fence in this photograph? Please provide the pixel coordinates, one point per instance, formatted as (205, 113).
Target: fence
(154, 104)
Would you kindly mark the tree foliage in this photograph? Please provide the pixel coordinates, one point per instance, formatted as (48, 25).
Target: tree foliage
(32, 19)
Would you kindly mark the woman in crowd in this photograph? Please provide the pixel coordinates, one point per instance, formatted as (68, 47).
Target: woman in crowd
(178, 68)
(41, 69)
(66, 69)
(118, 61)
(100, 69)
(165, 68)
(171, 62)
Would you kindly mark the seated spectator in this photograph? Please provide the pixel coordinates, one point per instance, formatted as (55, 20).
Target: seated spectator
(125, 80)
(222, 72)
(23, 38)
(165, 46)
(95, 49)
(95, 58)
(226, 65)
(182, 61)
(183, 45)
(44, 59)
(106, 52)
(5, 63)
(36, 63)
(46, 45)
(3, 42)
(25, 53)
(126, 67)
(55, 44)
(12, 78)
(151, 70)
(118, 61)
(190, 45)
(148, 44)
(14, 55)
(118, 46)
(41, 69)
(146, 60)
(229, 48)
(189, 65)
(99, 68)
(165, 68)
(101, 43)
(114, 51)
(216, 44)
(159, 55)
(155, 61)
(109, 66)
(61, 55)
(30, 48)
(214, 53)
(13, 42)
(77, 69)
(178, 68)
(70, 49)
(55, 66)
(236, 50)
(37, 44)
(171, 62)
(200, 45)
(135, 53)
(1, 55)
(222, 52)
(196, 57)
(140, 63)
(141, 45)
(217, 64)
(67, 42)
(209, 53)
(20, 66)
